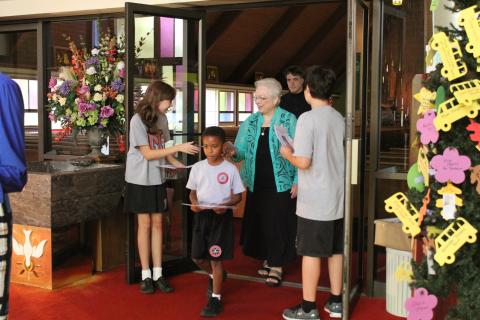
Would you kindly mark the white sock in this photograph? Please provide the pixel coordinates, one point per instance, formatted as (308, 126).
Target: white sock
(146, 274)
(218, 296)
(157, 273)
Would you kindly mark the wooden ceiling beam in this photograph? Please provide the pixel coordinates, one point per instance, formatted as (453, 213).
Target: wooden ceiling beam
(222, 23)
(318, 36)
(245, 69)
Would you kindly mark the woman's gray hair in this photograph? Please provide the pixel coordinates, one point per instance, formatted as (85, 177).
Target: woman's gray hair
(272, 85)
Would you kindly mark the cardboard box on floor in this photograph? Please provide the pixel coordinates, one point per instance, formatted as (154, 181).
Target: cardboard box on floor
(389, 233)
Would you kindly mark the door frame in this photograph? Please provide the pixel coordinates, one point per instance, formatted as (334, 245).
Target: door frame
(184, 264)
(40, 43)
(354, 147)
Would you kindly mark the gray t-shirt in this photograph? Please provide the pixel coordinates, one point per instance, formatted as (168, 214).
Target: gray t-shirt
(139, 170)
(320, 135)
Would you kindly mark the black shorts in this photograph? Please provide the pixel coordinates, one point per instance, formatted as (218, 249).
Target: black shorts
(146, 199)
(212, 236)
(319, 238)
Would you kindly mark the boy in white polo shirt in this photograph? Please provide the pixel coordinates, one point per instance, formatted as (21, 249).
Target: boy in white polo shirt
(319, 156)
(215, 184)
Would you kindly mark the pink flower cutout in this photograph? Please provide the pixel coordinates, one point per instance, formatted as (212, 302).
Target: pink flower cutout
(450, 166)
(421, 305)
(427, 130)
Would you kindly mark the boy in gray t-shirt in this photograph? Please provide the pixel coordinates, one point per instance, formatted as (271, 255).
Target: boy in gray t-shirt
(319, 156)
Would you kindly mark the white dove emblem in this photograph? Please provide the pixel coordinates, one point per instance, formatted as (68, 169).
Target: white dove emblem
(28, 250)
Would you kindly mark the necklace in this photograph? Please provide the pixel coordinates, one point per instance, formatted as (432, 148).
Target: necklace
(263, 131)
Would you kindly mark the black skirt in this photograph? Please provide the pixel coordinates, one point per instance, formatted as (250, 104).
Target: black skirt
(145, 199)
(269, 227)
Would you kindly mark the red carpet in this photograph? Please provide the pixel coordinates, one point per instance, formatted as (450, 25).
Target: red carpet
(107, 296)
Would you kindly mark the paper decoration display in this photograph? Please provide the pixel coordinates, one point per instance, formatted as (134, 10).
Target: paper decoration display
(453, 238)
(467, 19)
(450, 166)
(466, 92)
(423, 210)
(404, 272)
(415, 178)
(428, 132)
(405, 211)
(475, 177)
(420, 306)
(453, 65)
(440, 97)
(433, 5)
(449, 201)
(475, 136)
(423, 165)
(451, 111)
(425, 97)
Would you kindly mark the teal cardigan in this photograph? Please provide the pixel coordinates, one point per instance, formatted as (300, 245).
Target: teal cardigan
(246, 144)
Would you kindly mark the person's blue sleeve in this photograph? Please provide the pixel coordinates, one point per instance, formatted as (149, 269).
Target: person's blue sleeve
(13, 169)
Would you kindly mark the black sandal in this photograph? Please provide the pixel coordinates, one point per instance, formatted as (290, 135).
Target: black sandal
(274, 278)
(264, 270)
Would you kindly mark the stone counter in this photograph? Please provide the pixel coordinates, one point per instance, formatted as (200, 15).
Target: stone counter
(64, 210)
(59, 194)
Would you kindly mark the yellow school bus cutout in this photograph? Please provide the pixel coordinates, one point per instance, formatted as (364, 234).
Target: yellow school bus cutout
(451, 55)
(468, 20)
(405, 211)
(451, 111)
(466, 92)
(453, 238)
(425, 97)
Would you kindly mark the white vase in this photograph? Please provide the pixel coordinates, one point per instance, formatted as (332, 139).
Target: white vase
(96, 138)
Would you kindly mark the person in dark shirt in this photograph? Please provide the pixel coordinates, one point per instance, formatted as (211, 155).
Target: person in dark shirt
(294, 101)
(13, 174)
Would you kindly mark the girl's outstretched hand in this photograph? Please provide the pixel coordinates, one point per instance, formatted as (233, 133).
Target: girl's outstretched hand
(229, 150)
(189, 148)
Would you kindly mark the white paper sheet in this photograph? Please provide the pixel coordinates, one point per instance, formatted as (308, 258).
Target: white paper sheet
(171, 166)
(210, 206)
(283, 137)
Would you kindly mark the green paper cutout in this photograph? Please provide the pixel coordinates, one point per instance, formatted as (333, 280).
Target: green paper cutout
(433, 5)
(440, 98)
(415, 178)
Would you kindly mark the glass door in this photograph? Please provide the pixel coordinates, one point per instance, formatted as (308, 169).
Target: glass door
(356, 126)
(168, 44)
(19, 60)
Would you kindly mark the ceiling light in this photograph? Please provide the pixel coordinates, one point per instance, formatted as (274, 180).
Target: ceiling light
(397, 2)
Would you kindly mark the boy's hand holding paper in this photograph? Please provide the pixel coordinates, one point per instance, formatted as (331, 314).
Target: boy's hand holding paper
(282, 135)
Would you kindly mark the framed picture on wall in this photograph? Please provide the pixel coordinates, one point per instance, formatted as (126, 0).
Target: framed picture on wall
(259, 76)
(212, 73)
(62, 56)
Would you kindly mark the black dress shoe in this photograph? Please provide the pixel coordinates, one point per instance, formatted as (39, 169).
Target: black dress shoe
(213, 308)
(162, 285)
(146, 286)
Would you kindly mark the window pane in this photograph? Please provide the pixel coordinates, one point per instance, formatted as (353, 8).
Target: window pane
(241, 102)
(178, 37)
(248, 102)
(226, 117)
(144, 29)
(31, 119)
(18, 60)
(243, 116)
(222, 101)
(166, 37)
(33, 94)
(23, 84)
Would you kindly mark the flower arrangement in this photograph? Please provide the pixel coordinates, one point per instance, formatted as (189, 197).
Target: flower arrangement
(89, 93)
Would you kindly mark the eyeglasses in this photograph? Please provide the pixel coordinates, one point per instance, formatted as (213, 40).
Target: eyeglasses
(261, 99)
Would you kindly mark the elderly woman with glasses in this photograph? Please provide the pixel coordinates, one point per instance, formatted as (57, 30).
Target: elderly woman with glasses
(269, 224)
